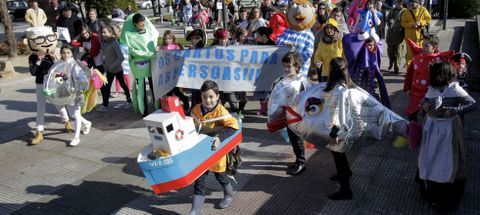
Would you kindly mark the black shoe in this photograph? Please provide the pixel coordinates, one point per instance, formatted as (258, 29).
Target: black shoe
(390, 68)
(341, 195)
(296, 169)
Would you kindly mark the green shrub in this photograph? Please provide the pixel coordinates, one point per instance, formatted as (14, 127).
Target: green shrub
(104, 7)
(463, 8)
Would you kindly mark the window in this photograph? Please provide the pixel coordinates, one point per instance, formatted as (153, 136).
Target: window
(169, 128)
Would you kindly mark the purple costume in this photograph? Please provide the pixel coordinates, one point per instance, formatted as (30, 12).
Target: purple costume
(364, 66)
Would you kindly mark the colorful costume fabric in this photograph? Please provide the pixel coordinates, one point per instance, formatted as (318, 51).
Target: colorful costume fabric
(364, 66)
(326, 51)
(300, 17)
(314, 112)
(414, 34)
(142, 49)
(417, 79)
(230, 122)
(353, 11)
(366, 23)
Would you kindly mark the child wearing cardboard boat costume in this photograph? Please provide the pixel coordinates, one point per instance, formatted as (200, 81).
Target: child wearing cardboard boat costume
(214, 120)
(42, 41)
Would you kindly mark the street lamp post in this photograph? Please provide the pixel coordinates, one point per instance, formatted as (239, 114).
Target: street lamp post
(445, 14)
(224, 14)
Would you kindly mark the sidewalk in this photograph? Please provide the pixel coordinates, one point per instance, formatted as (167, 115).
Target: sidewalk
(101, 176)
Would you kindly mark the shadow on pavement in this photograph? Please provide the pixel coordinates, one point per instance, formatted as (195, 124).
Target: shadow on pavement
(89, 197)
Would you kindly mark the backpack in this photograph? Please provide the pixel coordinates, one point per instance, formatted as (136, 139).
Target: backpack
(234, 160)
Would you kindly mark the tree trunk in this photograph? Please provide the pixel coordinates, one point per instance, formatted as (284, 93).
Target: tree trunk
(9, 35)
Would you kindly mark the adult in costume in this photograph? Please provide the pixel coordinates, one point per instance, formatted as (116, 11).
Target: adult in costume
(414, 20)
(42, 42)
(363, 57)
(140, 35)
(301, 18)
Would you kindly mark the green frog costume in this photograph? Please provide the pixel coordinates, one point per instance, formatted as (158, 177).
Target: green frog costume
(142, 49)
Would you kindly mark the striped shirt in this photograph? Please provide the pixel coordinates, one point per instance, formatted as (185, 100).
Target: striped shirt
(125, 64)
(302, 43)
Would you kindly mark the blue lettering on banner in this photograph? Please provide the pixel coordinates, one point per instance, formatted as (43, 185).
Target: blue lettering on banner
(160, 62)
(207, 56)
(226, 73)
(203, 71)
(236, 73)
(197, 53)
(192, 71)
(186, 53)
(245, 73)
(167, 76)
(167, 58)
(160, 80)
(264, 58)
(258, 74)
(230, 54)
(243, 55)
(250, 76)
(215, 72)
(181, 69)
(254, 57)
(177, 55)
(219, 54)
(274, 59)
(175, 74)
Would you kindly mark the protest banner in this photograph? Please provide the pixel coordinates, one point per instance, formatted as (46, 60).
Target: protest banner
(234, 68)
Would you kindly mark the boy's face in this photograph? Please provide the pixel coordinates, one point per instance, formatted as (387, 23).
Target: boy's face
(194, 40)
(428, 47)
(209, 99)
(66, 54)
(223, 42)
(337, 16)
(140, 25)
(243, 15)
(290, 70)
(371, 46)
(459, 66)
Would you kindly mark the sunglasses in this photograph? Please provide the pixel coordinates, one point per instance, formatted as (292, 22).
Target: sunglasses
(41, 39)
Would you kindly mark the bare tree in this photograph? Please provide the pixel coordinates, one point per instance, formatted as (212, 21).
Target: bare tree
(9, 36)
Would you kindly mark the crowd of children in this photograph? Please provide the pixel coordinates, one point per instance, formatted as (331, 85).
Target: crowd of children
(435, 83)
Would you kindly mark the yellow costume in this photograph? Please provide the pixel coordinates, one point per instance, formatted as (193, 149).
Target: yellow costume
(327, 51)
(230, 122)
(421, 15)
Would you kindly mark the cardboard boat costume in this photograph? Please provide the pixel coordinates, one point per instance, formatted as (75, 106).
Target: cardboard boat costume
(183, 154)
(142, 49)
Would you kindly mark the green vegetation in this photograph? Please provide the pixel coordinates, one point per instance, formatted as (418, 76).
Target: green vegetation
(463, 8)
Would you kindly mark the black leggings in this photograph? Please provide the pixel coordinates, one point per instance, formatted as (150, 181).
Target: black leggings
(200, 187)
(298, 147)
(150, 83)
(106, 89)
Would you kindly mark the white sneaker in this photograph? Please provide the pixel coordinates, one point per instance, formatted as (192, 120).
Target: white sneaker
(75, 141)
(86, 128)
(102, 108)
